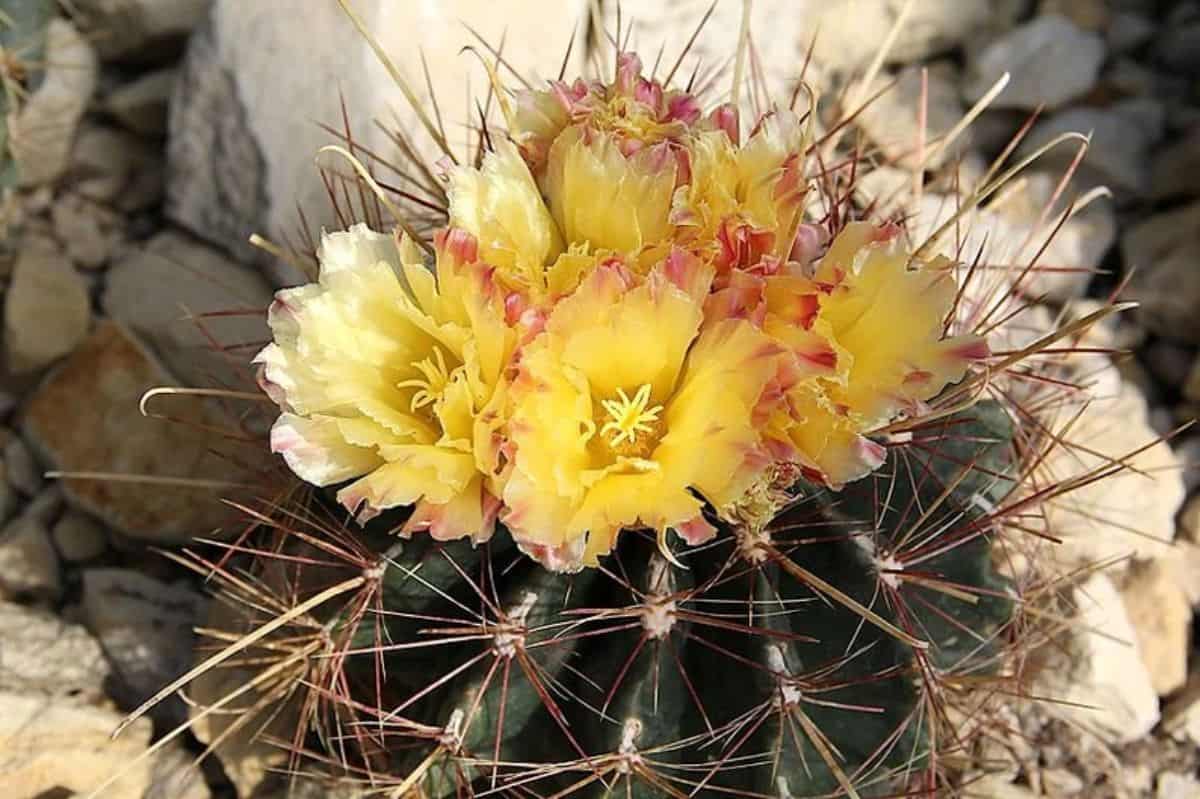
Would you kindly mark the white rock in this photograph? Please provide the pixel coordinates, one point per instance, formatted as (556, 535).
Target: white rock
(122, 27)
(233, 98)
(1050, 62)
(851, 32)
(41, 133)
(47, 309)
(78, 537)
(993, 787)
(1130, 512)
(60, 748)
(155, 289)
(1177, 786)
(141, 104)
(28, 562)
(145, 627)
(1162, 617)
(891, 121)
(1164, 250)
(1094, 671)
(42, 654)
(90, 232)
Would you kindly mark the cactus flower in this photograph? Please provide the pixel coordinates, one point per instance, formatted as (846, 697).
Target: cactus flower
(381, 372)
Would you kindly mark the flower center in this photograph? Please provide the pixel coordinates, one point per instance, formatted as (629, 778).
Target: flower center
(630, 419)
(435, 376)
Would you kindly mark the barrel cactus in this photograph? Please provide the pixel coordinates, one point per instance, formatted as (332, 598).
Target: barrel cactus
(641, 477)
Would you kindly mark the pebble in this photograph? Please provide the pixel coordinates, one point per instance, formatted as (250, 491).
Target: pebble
(47, 308)
(90, 232)
(44, 655)
(78, 537)
(1164, 249)
(1050, 61)
(28, 562)
(141, 104)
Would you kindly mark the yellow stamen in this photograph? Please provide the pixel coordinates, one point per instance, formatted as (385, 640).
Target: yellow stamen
(436, 376)
(629, 417)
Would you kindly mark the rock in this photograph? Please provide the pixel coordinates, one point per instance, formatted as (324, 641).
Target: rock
(1177, 786)
(8, 495)
(1163, 250)
(891, 121)
(1169, 361)
(1128, 31)
(141, 104)
(1131, 511)
(243, 137)
(1050, 62)
(1011, 233)
(157, 288)
(145, 627)
(1060, 782)
(1188, 452)
(1175, 171)
(43, 655)
(175, 775)
(1191, 387)
(78, 537)
(1162, 618)
(115, 167)
(1178, 44)
(1089, 15)
(28, 562)
(125, 27)
(1181, 715)
(1094, 670)
(84, 418)
(24, 474)
(247, 759)
(61, 748)
(1122, 138)
(41, 132)
(47, 309)
(994, 787)
(90, 232)
(887, 187)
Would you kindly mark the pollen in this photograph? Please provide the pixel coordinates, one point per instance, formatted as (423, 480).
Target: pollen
(630, 418)
(430, 386)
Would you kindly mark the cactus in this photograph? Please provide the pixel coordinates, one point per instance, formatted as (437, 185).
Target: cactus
(636, 480)
(22, 41)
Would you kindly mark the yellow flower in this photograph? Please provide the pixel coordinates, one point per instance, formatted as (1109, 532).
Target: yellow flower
(867, 340)
(382, 371)
(624, 406)
(745, 202)
(501, 206)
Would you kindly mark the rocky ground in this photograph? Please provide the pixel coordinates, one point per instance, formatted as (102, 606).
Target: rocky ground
(146, 162)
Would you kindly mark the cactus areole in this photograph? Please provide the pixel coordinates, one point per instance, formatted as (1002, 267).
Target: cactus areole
(627, 432)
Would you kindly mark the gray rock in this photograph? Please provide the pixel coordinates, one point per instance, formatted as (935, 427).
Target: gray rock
(1122, 138)
(90, 232)
(41, 654)
(145, 628)
(85, 418)
(141, 104)
(175, 775)
(47, 309)
(41, 132)
(1178, 43)
(1170, 362)
(123, 27)
(28, 562)
(116, 167)
(1164, 250)
(1128, 31)
(24, 473)
(78, 537)
(161, 289)
(1175, 171)
(1050, 61)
